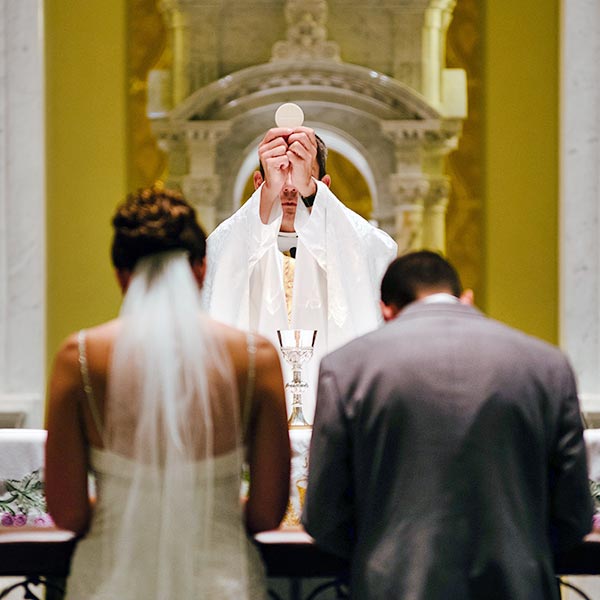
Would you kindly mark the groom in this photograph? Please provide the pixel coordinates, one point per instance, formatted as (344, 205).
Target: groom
(447, 460)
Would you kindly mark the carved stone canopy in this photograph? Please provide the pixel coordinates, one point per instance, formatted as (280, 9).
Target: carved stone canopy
(319, 80)
(356, 110)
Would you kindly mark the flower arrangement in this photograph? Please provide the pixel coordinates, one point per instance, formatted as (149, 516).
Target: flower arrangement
(595, 491)
(23, 502)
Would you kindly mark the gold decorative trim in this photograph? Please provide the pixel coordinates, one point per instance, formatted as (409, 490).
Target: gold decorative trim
(147, 43)
(464, 222)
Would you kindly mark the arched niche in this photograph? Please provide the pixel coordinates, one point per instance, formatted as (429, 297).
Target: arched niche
(386, 129)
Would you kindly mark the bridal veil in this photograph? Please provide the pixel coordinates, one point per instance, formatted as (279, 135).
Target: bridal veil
(173, 416)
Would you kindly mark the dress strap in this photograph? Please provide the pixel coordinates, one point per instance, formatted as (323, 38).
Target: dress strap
(250, 382)
(87, 384)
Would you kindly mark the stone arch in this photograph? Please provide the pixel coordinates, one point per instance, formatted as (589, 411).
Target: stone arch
(336, 142)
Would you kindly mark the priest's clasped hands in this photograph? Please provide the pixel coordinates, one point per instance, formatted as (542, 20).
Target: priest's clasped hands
(288, 158)
(292, 158)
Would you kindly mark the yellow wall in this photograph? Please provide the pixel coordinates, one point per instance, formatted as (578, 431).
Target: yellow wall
(86, 158)
(521, 164)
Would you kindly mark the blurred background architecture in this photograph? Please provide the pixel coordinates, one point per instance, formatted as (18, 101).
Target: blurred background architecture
(466, 126)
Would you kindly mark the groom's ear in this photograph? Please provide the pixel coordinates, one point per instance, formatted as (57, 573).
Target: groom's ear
(388, 311)
(467, 297)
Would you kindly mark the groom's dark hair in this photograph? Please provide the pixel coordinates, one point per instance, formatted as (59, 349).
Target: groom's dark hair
(410, 275)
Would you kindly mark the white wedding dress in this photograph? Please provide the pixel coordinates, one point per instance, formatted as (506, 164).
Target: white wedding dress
(218, 560)
(220, 579)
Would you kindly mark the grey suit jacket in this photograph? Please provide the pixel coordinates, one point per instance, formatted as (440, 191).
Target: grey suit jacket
(447, 459)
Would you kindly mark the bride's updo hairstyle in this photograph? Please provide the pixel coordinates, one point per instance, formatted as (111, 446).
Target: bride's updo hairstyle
(154, 220)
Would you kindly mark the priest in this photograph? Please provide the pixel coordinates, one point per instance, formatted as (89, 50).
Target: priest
(294, 256)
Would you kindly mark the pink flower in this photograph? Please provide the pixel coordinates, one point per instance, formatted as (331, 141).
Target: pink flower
(43, 521)
(20, 520)
(6, 520)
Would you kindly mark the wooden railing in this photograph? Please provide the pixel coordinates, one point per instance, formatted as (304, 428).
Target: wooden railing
(41, 557)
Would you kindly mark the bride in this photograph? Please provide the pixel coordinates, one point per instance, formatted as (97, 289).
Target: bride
(164, 406)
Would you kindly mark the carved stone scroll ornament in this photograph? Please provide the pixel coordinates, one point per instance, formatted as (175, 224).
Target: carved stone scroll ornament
(202, 185)
(202, 138)
(419, 180)
(306, 36)
(409, 192)
(435, 207)
(203, 193)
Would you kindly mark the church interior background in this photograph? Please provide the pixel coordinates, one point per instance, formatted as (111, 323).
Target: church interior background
(93, 94)
(471, 127)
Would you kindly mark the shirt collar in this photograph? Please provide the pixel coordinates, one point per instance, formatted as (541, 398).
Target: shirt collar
(441, 297)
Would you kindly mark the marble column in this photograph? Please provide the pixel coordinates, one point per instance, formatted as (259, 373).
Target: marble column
(419, 187)
(580, 196)
(202, 184)
(409, 193)
(580, 212)
(171, 139)
(179, 34)
(437, 18)
(408, 185)
(22, 210)
(436, 205)
(438, 143)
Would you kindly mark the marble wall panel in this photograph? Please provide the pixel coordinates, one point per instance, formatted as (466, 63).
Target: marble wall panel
(22, 233)
(355, 28)
(580, 195)
(247, 33)
(229, 35)
(3, 206)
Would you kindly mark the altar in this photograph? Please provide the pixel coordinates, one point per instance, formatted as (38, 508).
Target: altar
(38, 554)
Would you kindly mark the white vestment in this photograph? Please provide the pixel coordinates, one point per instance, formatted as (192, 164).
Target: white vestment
(340, 260)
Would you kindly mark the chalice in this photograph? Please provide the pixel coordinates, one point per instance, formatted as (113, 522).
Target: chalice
(297, 347)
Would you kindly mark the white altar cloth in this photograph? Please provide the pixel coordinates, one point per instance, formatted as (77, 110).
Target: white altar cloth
(22, 497)
(21, 452)
(592, 443)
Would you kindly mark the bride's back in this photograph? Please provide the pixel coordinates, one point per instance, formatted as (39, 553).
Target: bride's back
(228, 390)
(160, 402)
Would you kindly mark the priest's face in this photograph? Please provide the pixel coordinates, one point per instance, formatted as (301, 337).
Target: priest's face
(289, 198)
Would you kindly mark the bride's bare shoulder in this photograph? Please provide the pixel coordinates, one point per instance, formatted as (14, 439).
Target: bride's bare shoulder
(106, 330)
(98, 334)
